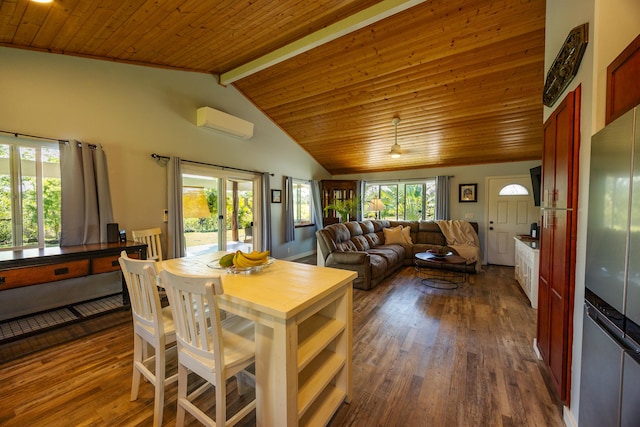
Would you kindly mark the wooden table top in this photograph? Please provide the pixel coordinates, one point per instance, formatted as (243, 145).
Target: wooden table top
(282, 289)
(449, 259)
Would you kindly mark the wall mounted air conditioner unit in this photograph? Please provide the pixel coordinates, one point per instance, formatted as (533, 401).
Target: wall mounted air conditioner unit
(211, 118)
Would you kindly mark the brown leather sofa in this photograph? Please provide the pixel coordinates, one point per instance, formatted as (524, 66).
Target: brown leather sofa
(360, 246)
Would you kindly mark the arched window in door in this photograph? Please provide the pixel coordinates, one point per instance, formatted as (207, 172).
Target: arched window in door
(513, 190)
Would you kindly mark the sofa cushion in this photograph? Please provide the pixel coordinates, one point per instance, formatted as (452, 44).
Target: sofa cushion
(354, 228)
(374, 239)
(339, 232)
(394, 236)
(347, 246)
(379, 265)
(429, 232)
(394, 254)
(401, 250)
(361, 243)
(367, 227)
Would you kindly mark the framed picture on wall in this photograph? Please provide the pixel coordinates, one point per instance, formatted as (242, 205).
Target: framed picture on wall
(276, 196)
(468, 193)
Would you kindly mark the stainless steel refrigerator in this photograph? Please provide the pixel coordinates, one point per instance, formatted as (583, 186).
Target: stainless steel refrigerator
(610, 373)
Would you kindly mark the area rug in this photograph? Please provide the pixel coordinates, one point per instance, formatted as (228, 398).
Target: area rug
(71, 327)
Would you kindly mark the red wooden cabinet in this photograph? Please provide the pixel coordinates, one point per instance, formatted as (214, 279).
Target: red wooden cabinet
(557, 240)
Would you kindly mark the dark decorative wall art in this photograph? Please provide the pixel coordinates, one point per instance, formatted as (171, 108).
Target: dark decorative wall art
(565, 66)
(468, 193)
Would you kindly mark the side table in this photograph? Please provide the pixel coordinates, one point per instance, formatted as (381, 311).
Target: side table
(434, 273)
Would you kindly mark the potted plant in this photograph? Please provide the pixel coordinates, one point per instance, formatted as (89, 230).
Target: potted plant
(344, 208)
(245, 220)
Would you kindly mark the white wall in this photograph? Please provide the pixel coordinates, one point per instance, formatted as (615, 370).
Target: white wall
(613, 24)
(134, 111)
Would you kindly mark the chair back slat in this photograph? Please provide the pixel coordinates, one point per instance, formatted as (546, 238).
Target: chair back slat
(150, 237)
(196, 313)
(143, 293)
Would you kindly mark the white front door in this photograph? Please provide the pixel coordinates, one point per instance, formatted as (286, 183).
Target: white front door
(509, 215)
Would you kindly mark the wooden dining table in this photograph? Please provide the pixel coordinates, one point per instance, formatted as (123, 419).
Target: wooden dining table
(303, 317)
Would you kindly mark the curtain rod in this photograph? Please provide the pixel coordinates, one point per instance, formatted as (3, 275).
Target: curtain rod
(16, 134)
(403, 180)
(159, 157)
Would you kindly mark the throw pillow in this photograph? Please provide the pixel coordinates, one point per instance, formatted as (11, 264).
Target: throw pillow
(406, 232)
(394, 236)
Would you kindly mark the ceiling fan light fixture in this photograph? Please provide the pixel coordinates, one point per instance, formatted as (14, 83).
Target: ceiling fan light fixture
(396, 150)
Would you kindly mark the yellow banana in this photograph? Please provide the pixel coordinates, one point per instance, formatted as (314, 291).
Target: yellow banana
(240, 260)
(253, 262)
(255, 255)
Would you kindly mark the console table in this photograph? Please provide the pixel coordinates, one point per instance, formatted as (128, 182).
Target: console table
(31, 267)
(526, 267)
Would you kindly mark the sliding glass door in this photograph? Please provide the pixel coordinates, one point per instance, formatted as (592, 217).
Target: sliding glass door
(220, 209)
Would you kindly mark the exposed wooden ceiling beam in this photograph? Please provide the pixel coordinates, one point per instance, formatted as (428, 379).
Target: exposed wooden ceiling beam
(375, 13)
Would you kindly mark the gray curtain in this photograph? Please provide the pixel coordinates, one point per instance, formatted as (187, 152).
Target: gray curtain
(266, 212)
(85, 196)
(175, 229)
(443, 197)
(289, 224)
(316, 196)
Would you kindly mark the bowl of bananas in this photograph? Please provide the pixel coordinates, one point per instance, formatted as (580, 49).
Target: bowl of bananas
(239, 262)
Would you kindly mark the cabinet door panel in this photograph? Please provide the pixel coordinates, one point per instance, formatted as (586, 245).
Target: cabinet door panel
(563, 156)
(557, 248)
(559, 275)
(549, 162)
(543, 339)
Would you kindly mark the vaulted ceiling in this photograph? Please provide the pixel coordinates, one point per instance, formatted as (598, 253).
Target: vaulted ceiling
(465, 77)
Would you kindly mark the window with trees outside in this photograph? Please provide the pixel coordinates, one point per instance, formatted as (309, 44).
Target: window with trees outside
(408, 201)
(302, 203)
(29, 194)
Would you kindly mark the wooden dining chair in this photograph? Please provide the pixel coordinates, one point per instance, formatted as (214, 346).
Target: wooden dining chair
(213, 349)
(151, 237)
(152, 327)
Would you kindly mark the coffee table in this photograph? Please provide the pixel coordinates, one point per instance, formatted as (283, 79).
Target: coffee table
(433, 271)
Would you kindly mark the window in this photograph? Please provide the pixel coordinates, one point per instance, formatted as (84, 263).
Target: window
(408, 201)
(29, 194)
(513, 190)
(302, 203)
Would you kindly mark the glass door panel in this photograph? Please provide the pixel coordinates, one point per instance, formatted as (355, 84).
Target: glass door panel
(200, 213)
(213, 222)
(239, 209)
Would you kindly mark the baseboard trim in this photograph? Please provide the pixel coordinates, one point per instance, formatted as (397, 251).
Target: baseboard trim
(298, 256)
(535, 349)
(567, 416)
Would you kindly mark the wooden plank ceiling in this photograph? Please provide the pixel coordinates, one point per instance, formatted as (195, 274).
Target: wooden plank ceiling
(465, 77)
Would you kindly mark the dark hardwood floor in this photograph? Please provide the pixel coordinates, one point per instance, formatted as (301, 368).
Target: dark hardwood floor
(421, 357)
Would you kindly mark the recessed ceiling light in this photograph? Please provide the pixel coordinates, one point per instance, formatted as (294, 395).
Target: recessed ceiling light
(42, 1)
